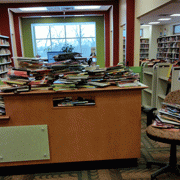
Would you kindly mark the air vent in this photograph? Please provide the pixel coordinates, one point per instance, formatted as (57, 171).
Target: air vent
(164, 15)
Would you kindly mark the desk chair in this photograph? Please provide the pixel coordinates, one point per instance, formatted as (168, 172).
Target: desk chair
(166, 136)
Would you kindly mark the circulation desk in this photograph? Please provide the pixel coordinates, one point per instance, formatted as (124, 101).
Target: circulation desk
(35, 131)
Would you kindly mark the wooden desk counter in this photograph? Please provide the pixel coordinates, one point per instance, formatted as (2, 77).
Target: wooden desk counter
(111, 129)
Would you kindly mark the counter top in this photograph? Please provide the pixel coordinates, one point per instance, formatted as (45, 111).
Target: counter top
(109, 88)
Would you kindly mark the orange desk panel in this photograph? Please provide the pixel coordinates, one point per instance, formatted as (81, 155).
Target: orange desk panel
(111, 129)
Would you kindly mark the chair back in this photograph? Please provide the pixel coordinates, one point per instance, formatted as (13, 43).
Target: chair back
(173, 97)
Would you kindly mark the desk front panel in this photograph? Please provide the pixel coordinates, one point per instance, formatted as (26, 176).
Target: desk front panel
(110, 129)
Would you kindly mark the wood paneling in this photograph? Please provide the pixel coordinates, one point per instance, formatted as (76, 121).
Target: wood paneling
(108, 130)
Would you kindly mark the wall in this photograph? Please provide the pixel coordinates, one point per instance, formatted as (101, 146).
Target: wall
(146, 31)
(122, 14)
(27, 37)
(122, 22)
(169, 29)
(145, 6)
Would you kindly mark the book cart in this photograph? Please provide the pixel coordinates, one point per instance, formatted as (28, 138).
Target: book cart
(161, 79)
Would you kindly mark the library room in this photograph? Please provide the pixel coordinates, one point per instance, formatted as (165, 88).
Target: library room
(89, 89)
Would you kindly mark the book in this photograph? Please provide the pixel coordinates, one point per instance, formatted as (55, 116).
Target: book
(159, 124)
(166, 112)
(163, 120)
(172, 105)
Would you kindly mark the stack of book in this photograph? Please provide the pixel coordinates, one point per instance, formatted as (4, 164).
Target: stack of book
(65, 75)
(2, 106)
(69, 101)
(168, 116)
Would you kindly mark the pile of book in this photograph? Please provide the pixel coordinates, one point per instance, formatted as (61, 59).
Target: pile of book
(168, 116)
(65, 75)
(2, 106)
(69, 101)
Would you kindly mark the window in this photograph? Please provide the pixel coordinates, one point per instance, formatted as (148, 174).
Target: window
(176, 29)
(52, 37)
(141, 32)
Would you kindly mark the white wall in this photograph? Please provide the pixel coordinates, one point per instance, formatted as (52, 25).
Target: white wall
(146, 31)
(144, 6)
(122, 12)
(122, 22)
(169, 29)
(154, 34)
(111, 36)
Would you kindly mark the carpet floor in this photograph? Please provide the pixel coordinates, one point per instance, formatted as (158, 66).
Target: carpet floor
(150, 151)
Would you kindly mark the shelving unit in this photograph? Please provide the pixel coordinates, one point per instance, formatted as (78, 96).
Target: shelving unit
(163, 83)
(149, 78)
(175, 82)
(168, 48)
(124, 50)
(159, 84)
(144, 48)
(5, 53)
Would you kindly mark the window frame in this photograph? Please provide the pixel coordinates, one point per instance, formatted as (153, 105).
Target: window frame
(174, 28)
(50, 38)
(141, 32)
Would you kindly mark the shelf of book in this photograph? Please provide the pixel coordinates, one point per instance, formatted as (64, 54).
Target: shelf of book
(149, 79)
(144, 48)
(5, 54)
(168, 48)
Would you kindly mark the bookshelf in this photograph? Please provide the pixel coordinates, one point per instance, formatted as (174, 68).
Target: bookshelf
(124, 50)
(163, 83)
(166, 84)
(149, 78)
(168, 48)
(5, 53)
(144, 48)
(160, 82)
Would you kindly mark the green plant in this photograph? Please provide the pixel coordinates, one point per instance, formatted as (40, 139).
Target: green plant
(67, 48)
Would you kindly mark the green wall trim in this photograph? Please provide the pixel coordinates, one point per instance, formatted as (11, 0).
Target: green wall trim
(100, 39)
(137, 69)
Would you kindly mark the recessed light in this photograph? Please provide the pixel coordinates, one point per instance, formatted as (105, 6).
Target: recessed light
(34, 9)
(175, 15)
(164, 19)
(154, 23)
(87, 7)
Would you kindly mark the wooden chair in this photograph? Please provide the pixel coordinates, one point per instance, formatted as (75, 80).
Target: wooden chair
(166, 136)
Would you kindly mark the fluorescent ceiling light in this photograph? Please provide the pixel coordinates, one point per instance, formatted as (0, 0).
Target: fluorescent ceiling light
(87, 7)
(154, 23)
(145, 25)
(164, 19)
(175, 15)
(34, 9)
